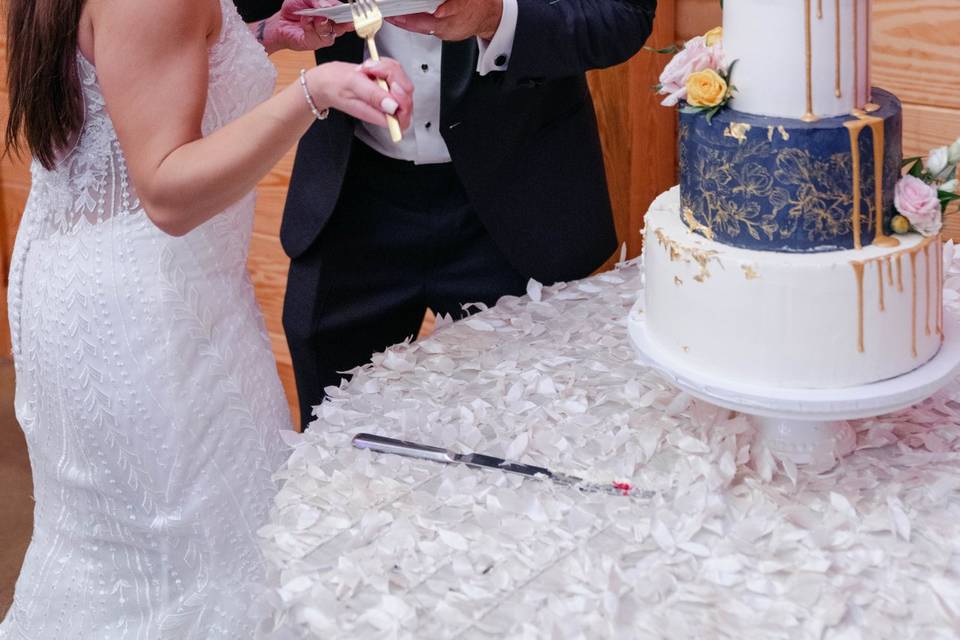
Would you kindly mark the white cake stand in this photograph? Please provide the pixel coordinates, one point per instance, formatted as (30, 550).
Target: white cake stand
(804, 425)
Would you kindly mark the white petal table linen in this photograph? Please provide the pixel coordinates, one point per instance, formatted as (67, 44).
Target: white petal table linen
(737, 544)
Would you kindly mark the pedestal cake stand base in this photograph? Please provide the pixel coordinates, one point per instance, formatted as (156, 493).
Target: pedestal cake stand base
(803, 425)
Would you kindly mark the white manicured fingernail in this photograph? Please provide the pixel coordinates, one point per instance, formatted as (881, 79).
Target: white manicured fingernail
(369, 63)
(389, 105)
(397, 90)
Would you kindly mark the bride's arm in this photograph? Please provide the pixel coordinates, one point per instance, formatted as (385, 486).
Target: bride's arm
(152, 65)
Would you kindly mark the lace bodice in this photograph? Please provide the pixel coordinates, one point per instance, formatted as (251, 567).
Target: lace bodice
(91, 182)
(147, 392)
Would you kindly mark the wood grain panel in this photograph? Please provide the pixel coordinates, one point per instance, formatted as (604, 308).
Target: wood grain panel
(916, 50)
(695, 17)
(639, 136)
(927, 127)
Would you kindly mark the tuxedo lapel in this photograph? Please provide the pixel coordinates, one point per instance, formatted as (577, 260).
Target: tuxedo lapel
(459, 65)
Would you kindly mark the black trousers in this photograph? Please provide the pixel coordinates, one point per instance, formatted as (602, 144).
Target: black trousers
(402, 239)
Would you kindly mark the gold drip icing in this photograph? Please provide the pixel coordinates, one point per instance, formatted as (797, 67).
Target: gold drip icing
(880, 283)
(738, 131)
(856, 127)
(939, 259)
(838, 89)
(809, 116)
(856, 56)
(858, 270)
(926, 278)
(819, 9)
(871, 107)
(913, 276)
(860, 267)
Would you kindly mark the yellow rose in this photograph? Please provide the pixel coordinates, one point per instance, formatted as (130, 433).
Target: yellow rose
(706, 89)
(714, 36)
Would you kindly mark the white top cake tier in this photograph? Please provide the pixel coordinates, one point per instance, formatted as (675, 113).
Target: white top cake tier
(798, 58)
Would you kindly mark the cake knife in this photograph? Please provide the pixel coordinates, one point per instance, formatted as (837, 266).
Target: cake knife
(382, 444)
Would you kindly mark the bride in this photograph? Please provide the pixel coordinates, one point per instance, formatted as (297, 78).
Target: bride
(145, 382)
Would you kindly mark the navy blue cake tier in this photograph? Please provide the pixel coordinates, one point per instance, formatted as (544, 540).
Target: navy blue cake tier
(778, 184)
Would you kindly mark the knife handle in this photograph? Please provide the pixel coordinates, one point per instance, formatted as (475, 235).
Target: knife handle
(381, 444)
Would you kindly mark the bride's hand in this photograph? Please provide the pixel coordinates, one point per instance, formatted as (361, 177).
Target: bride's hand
(287, 30)
(353, 89)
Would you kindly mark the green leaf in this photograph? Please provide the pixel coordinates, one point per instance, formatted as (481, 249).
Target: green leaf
(689, 109)
(917, 169)
(729, 72)
(911, 160)
(946, 196)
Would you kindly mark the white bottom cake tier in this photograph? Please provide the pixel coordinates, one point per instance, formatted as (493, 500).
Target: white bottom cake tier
(813, 320)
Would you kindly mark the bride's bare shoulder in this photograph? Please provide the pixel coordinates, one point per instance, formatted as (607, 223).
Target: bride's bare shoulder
(146, 21)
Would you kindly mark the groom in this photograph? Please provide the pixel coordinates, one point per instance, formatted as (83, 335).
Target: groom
(499, 179)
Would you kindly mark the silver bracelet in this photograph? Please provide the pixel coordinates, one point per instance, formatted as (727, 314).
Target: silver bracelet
(319, 115)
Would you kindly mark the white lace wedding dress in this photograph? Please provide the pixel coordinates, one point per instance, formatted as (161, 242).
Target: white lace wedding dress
(147, 392)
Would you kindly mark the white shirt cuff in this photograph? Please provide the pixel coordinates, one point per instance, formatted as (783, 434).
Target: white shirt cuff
(495, 53)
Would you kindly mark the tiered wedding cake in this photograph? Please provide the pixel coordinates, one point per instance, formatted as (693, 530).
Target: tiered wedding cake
(774, 261)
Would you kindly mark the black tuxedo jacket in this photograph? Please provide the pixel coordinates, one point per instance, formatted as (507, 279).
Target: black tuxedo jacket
(524, 142)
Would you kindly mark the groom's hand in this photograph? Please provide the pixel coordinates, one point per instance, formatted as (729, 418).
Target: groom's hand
(456, 20)
(287, 30)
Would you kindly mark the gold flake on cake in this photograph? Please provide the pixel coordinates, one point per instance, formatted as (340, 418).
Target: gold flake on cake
(672, 247)
(784, 134)
(689, 255)
(749, 272)
(738, 131)
(677, 281)
(695, 225)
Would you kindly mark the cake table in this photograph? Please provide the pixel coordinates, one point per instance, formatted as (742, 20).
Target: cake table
(736, 543)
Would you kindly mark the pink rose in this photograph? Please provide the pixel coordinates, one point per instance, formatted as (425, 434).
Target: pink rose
(917, 201)
(695, 56)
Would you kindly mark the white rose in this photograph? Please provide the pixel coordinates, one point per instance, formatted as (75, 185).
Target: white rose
(938, 160)
(950, 186)
(955, 152)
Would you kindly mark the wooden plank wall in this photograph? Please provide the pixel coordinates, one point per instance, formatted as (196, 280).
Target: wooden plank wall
(915, 55)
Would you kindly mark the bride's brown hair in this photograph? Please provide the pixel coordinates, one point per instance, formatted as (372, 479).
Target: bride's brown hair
(46, 100)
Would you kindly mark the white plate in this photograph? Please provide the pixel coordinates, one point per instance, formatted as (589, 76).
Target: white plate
(389, 9)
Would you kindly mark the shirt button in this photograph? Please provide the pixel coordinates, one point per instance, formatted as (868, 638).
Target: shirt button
(425, 67)
(501, 60)
(428, 125)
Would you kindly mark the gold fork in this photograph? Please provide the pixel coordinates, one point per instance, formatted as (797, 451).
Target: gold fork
(367, 21)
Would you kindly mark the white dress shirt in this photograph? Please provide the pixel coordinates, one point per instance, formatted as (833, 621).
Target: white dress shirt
(421, 57)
